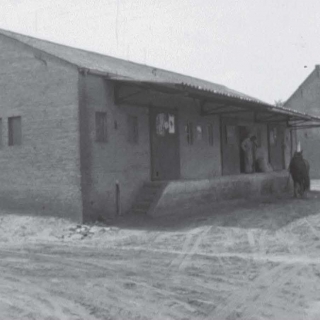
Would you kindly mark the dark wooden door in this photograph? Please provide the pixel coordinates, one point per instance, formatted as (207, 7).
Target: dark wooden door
(164, 139)
(276, 146)
(230, 147)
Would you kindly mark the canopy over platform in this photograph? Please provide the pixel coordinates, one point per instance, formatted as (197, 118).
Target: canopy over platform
(214, 102)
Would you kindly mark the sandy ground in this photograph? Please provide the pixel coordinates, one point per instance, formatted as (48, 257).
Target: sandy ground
(241, 260)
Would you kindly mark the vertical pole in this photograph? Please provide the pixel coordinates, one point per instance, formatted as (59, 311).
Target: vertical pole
(284, 143)
(221, 125)
(269, 146)
(118, 202)
(291, 143)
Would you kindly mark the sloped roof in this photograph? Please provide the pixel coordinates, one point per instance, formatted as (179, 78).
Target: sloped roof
(108, 65)
(315, 73)
(119, 69)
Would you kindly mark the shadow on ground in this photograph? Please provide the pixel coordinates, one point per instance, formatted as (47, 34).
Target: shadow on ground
(270, 213)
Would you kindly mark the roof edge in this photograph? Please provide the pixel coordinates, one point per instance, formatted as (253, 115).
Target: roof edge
(236, 92)
(316, 68)
(36, 49)
(100, 54)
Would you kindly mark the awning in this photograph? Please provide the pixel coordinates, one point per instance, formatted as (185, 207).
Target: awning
(217, 103)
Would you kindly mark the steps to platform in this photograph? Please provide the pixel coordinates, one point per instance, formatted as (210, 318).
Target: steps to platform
(148, 197)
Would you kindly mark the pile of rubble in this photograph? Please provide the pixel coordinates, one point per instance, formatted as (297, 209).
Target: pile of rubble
(80, 232)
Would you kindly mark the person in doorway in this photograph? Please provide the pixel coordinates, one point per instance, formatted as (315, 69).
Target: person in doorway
(262, 164)
(249, 146)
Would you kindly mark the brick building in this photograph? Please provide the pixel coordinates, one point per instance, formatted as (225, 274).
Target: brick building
(82, 134)
(307, 99)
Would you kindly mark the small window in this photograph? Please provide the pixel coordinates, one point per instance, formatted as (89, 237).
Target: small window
(210, 134)
(189, 133)
(14, 131)
(133, 129)
(101, 127)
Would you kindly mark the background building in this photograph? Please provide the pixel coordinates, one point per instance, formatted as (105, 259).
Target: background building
(307, 99)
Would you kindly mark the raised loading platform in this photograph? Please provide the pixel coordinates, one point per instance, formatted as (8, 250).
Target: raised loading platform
(176, 197)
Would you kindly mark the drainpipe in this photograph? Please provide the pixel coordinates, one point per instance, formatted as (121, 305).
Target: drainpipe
(118, 202)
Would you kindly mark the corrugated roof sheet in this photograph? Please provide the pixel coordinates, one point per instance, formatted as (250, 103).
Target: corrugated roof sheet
(118, 68)
(114, 66)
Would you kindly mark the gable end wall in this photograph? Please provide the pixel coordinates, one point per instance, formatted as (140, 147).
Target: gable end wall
(42, 175)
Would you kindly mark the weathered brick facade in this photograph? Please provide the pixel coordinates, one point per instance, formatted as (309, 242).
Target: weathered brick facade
(105, 163)
(117, 160)
(42, 174)
(60, 168)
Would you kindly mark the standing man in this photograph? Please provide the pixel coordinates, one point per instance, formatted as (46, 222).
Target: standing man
(249, 147)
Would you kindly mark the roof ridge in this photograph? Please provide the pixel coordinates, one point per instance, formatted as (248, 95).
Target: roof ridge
(302, 84)
(109, 64)
(4, 31)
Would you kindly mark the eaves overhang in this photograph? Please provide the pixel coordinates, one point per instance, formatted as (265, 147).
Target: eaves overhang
(213, 102)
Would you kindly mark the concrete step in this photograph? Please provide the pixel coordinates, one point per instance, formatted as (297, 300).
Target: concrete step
(139, 211)
(143, 205)
(154, 184)
(148, 194)
(144, 202)
(147, 197)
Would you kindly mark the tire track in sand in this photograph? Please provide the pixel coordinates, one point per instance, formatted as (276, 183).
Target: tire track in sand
(31, 301)
(189, 249)
(273, 279)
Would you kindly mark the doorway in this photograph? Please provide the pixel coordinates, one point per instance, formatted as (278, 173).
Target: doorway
(164, 140)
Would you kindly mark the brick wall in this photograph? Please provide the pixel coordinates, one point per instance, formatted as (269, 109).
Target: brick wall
(42, 174)
(115, 160)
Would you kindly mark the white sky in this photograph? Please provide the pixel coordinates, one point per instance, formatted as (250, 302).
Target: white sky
(264, 48)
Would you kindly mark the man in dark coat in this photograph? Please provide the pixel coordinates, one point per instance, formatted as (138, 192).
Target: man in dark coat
(299, 170)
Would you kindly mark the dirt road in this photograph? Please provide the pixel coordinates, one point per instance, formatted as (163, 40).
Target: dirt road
(244, 260)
